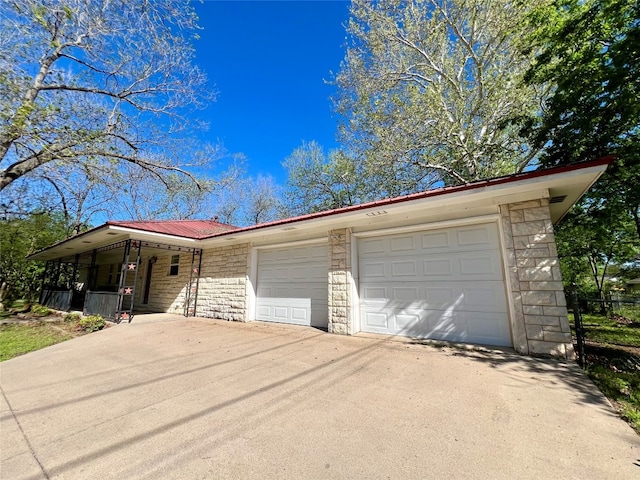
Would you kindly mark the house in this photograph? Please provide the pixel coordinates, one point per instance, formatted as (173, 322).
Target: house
(633, 286)
(474, 263)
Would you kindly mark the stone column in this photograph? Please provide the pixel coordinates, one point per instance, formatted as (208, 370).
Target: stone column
(340, 318)
(539, 320)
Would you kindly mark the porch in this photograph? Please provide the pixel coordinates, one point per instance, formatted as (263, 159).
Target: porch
(117, 280)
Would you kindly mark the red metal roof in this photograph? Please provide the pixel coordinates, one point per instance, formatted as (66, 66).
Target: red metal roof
(180, 228)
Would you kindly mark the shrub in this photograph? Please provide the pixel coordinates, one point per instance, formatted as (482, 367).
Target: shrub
(71, 317)
(92, 323)
(40, 310)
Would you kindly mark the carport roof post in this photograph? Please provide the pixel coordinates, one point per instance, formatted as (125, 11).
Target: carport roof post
(563, 185)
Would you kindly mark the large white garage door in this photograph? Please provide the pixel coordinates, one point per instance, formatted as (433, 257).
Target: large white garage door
(444, 284)
(292, 285)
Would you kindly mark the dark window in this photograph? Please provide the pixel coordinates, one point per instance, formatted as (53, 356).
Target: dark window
(114, 274)
(175, 263)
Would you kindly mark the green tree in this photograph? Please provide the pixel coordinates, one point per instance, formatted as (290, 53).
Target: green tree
(20, 237)
(588, 246)
(589, 51)
(95, 85)
(317, 181)
(426, 89)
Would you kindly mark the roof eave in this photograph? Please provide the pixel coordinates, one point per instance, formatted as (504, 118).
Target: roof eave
(541, 181)
(537, 179)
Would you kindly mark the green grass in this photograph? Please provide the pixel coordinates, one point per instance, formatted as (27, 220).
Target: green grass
(18, 339)
(621, 387)
(20, 303)
(601, 329)
(631, 313)
(607, 363)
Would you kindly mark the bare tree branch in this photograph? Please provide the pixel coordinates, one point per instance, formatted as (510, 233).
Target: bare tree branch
(97, 81)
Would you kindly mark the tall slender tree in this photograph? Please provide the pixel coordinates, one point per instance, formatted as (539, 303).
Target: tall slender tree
(426, 89)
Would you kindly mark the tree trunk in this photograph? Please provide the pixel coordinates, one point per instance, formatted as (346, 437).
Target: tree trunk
(3, 293)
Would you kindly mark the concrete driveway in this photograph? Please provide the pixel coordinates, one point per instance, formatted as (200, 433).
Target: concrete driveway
(167, 397)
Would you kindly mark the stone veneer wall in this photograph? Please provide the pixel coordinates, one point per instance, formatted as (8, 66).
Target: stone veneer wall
(102, 276)
(540, 324)
(340, 320)
(167, 292)
(222, 292)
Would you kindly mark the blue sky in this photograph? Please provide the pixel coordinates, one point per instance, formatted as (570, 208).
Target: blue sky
(268, 61)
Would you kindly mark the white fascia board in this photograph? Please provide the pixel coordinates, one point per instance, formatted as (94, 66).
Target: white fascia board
(155, 237)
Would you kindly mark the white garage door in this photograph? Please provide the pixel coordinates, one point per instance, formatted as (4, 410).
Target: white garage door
(292, 285)
(444, 284)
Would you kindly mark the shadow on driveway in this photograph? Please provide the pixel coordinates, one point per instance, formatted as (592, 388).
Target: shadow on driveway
(211, 399)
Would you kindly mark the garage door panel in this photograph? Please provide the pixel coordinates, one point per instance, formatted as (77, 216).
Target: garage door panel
(438, 267)
(299, 272)
(444, 284)
(404, 268)
(435, 240)
(373, 293)
(475, 236)
(292, 285)
(486, 264)
(444, 325)
(318, 293)
(286, 274)
(299, 253)
(488, 326)
(314, 254)
(408, 294)
(487, 296)
(280, 312)
(490, 297)
(315, 272)
(406, 321)
(373, 270)
(376, 321)
(439, 297)
(264, 311)
(371, 246)
(402, 244)
(299, 314)
(485, 328)
(284, 310)
(294, 291)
